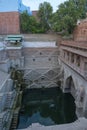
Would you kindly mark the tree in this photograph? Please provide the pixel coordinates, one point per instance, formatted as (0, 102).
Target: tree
(24, 21)
(68, 13)
(63, 20)
(29, 24)
(81, 6)
(45, 15)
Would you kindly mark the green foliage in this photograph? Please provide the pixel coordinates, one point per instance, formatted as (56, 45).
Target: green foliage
(29, 24)
(68, 13)
(63, 20)
(45, 15)
(24, 19)
(17, 77)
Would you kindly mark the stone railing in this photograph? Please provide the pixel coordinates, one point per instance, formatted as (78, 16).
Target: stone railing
(76, 68)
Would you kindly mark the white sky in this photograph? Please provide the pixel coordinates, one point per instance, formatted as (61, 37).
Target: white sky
(34, 4)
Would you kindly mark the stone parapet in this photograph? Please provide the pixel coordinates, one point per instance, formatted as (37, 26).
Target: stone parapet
(80, 32)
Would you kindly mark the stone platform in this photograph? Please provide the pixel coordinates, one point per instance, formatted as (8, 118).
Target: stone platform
(80, 124)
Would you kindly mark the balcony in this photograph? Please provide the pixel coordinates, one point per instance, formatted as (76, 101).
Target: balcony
(76, 68)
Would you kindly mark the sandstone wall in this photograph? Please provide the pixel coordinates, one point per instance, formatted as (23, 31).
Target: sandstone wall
(41, 67)
(80, 32)
(9, 23)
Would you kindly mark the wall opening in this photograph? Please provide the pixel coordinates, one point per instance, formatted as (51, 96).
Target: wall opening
(69, 86)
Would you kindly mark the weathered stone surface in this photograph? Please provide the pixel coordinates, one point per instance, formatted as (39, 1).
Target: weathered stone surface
(73, 58)
(80, 32)
(80, 124)
(9, 23)
(41, 67)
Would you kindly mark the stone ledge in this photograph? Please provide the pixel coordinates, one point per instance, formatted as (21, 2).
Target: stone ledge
(80, 124)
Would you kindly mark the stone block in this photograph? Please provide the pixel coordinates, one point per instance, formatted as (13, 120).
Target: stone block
(9, 23)
(80, 32)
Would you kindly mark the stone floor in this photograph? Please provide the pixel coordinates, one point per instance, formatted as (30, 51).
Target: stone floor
(80, 124)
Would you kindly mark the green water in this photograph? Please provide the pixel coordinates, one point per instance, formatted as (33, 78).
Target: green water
(47, 107)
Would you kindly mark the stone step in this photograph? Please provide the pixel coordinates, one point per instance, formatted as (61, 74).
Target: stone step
(14, 121)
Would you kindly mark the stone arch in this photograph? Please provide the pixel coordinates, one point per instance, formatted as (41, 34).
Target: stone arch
(70, 86)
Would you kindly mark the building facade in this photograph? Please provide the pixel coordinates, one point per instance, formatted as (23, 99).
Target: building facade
(10, 16)
(73, 57)
(80, 32)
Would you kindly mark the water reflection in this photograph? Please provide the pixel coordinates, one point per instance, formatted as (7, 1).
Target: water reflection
(47, 107)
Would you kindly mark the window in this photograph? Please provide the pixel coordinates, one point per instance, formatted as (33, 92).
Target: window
(49, 59)
(40, 53)
(33, 59)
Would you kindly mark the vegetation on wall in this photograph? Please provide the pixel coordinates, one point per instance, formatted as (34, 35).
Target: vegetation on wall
(17, 76)
(63, 20)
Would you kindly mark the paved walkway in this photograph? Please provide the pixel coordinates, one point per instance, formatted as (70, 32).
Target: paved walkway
(80, 124)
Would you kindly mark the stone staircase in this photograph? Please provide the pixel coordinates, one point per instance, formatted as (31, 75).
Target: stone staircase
(4, 120)
(14, 120)
(10, 99)
(47, 77)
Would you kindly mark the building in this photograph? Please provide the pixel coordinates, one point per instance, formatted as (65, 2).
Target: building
(35, 14)
(39, 59)
(10, 16)
(43, 67)
(73, 58)
(80, 32)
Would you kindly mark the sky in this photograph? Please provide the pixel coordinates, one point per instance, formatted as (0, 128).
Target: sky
(34, 4)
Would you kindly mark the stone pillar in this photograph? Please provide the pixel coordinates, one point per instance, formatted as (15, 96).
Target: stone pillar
(75, 59)
(22, 61)
(85, 106)
(79, 107)
(65, 87)
(70, 58)
(62, 86)
(80, 102)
